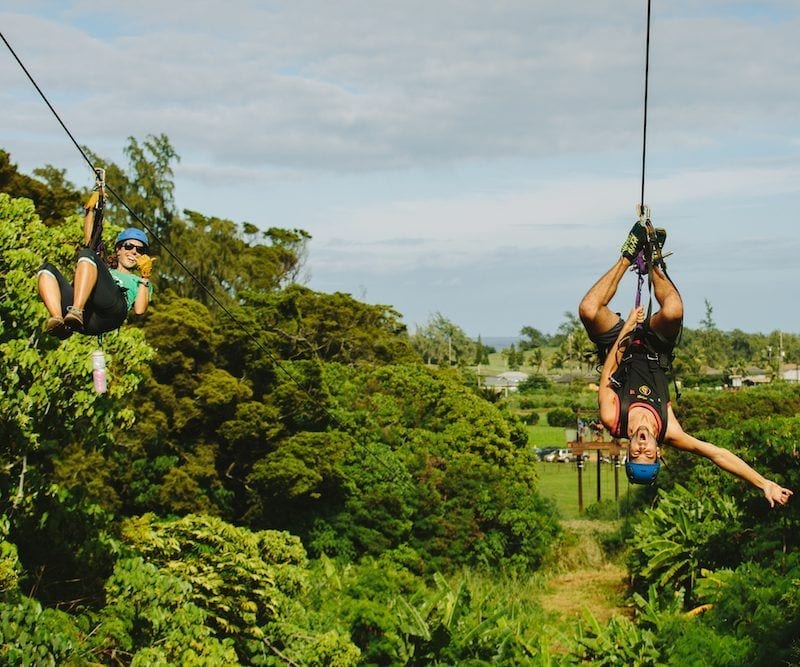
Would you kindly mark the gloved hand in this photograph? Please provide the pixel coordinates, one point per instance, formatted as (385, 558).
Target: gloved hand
(145, 264)
(92, 201)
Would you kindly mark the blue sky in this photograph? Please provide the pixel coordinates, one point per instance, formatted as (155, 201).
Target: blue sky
(480, 160)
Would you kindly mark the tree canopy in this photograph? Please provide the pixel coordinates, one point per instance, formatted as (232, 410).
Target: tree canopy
(268, 423)
(277, 476)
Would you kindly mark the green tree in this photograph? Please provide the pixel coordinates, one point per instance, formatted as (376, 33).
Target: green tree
(244, 583)
(513, 358)
(150, 616)
(535, 338)
(214, 260)
(443, 343)
(54, 197)
(150, 188)
(303, 324)
(454, 477)
(764, 595)
(48, 410)
(536, 359)
(142, 194)
(573, 344)
(713, 342)
(481, 353)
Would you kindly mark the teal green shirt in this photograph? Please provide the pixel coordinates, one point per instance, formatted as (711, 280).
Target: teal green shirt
(130, 283)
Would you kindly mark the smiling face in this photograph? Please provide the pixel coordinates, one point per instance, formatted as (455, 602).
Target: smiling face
(643, 447)
(128, 252)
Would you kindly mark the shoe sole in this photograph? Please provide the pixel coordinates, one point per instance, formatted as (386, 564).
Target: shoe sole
(60, 331)
(73, 323)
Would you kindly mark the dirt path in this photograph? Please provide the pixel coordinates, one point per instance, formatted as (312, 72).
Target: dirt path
(600, 590)
(585, 578)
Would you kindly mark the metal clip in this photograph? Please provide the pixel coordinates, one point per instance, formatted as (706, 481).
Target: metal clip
(643, 213)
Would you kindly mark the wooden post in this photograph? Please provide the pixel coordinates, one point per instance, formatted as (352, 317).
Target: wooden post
(577, 451)
(599, 460)
(614, 452)
(579, 448)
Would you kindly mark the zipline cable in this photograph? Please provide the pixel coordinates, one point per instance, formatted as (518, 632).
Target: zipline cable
(47, 102)
(277, 362)
(644, 124)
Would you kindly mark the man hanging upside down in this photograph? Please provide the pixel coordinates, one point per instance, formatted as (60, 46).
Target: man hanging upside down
(636, 356)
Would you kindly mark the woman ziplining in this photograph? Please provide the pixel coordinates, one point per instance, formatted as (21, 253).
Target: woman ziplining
(102, 293)
(100, 296)
(636, 354)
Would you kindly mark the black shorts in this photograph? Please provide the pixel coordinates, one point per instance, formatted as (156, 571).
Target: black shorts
(106, 308)
(654, 341)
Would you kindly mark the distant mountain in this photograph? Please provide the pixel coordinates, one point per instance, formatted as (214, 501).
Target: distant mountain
(499, 342)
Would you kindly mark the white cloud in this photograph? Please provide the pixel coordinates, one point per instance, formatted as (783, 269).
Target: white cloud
(432, 136)
(323, 85)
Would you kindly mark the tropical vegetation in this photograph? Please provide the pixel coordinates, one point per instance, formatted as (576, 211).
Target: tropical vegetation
(278, 476)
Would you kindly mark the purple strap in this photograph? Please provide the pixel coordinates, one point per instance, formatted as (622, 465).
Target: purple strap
(640, 265)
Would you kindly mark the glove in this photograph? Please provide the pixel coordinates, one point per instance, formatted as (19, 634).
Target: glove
(145, 264)
(93, 201)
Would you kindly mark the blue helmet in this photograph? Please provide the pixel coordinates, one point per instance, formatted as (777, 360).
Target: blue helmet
(642, 473)
(132, 233)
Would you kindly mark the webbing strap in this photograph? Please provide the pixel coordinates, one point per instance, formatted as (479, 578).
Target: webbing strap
(643, 263)
(98, 203)
(96, 240)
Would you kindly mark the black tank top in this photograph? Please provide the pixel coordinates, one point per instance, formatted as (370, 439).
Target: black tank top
(641, 382)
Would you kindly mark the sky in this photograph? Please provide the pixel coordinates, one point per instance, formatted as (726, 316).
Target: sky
(478, 160)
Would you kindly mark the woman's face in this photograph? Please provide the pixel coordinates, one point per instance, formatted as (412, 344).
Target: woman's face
(642, 447)
(128, 252)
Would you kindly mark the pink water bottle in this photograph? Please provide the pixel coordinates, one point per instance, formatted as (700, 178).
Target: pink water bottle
(99, 371)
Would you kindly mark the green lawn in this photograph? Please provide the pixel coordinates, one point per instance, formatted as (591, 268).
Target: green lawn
(559, 481)
(546, 436)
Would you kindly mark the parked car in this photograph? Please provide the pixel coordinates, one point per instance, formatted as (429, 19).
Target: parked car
(564, 455)
(548, 454)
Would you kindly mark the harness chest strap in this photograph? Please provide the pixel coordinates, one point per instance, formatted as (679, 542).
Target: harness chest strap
(637, 384)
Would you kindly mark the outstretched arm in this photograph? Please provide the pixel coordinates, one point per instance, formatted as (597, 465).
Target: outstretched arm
(725, 459)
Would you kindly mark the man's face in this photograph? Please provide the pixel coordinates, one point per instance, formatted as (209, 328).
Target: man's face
(642, 447)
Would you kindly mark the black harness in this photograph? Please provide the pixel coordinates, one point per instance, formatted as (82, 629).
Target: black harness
(642, 378)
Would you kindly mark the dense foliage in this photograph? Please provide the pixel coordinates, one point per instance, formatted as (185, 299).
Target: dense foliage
(231, 446)
(275, 477)
(710, 542)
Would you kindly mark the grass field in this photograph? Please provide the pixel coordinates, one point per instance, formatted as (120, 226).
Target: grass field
(559, 481)
(546, 436)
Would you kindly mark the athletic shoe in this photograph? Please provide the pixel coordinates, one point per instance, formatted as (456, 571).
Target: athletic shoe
(657, 256)
(634, 243)
(56, 327)
(74, 318)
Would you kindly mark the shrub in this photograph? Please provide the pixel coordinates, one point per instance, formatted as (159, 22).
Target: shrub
(532, 418)
(685, 532)
(561, 417)
(756, 602)
(535, 381)
(605, 510)
(32, 635)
